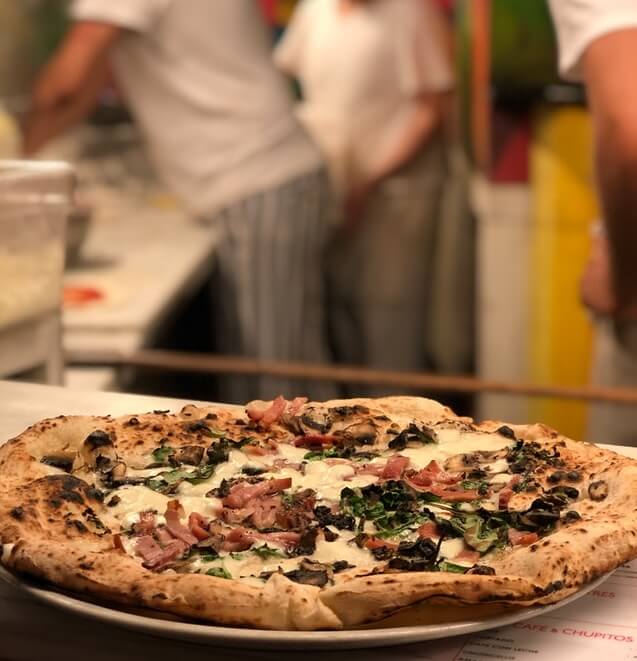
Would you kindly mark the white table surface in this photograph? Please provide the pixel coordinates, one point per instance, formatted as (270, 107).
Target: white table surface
(145, 259)
(32, 631)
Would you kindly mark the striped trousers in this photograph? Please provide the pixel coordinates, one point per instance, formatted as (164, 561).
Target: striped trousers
(269, 284)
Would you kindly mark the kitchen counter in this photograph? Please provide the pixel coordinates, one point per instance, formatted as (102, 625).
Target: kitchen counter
(143, 261)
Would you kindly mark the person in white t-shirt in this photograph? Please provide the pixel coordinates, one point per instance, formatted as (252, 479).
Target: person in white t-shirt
(218, 121)
(375, 77)
(598, 44)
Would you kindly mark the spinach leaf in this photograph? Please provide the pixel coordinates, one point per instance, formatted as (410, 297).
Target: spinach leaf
(165, 481)
(452, 568)
(264, 552)
(219, 572)
(208, 555)
(161, 455)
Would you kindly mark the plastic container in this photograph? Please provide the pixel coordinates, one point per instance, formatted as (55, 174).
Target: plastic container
(35, 200)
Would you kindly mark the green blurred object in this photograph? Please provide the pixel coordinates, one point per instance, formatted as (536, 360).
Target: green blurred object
(50, 22)
(523, 45)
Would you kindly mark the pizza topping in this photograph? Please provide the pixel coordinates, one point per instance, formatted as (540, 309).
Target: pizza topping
(522, 538)
(252, 471)
(562, 489)
(598, 490)
(524, 457)
(505, 495)
(189, 454)
(177, 529)
(309, 573)
(394, 467)
(467, 555)
(157, 557)
(297, 510)
(571, 516)
(429, 529)
(316, 442)
(341, 521)
(264, 415)
(146, 523)
(507, 432)
(63, 463)
(241, 539)
(98, 451)
(198, 526)
(412, 437)
(362, 433)
(315, 420)
(431, 474)
(241, 493)
(482, 570)
(200, 427)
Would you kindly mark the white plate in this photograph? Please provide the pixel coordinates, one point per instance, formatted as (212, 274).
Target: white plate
(283, 640)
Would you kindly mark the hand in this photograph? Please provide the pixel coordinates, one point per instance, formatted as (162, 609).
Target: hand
(355, 204)
(596, 290)
(596, 286)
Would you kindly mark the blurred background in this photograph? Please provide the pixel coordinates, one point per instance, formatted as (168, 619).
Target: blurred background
(515, 213)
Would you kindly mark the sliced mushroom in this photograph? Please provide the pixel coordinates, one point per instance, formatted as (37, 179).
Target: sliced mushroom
(308, 577)
(314, 420)
(292, 423)
(118, 471)
(343, 412)
(363, 433)
(311, 573)
(63, 463)
(189, 454)
(539, 518)
(460, 463)
(598, 490)
(482, 570)
(98, 451)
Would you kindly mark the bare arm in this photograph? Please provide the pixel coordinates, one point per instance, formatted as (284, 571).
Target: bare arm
(67, 89)
(609, 65)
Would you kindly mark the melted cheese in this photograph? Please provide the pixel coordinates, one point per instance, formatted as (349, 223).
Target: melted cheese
(242, 565)
(135, 499)
(453, 442)
(499, 466)
(329, 481)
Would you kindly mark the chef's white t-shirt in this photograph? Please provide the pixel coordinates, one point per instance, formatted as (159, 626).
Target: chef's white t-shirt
(360, 72)
(580, 22)
(217, 116)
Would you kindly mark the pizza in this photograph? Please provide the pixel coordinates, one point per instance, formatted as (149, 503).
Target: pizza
(301, 515)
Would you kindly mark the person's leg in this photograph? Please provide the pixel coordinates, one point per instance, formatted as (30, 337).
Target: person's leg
(270, 298)
(380, 276)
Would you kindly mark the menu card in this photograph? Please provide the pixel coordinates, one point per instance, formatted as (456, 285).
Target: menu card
(600, 626)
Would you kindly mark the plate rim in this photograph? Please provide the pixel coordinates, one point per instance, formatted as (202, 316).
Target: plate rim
(245, 638)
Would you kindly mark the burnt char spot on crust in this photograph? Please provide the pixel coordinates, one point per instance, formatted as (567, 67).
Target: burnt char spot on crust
(78, 524)
(17, 513)
(87, 566)
(95, 494)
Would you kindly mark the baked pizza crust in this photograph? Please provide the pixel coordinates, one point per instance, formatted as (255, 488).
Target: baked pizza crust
(46, 534)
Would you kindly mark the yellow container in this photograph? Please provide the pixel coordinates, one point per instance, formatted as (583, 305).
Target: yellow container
(564, 207)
